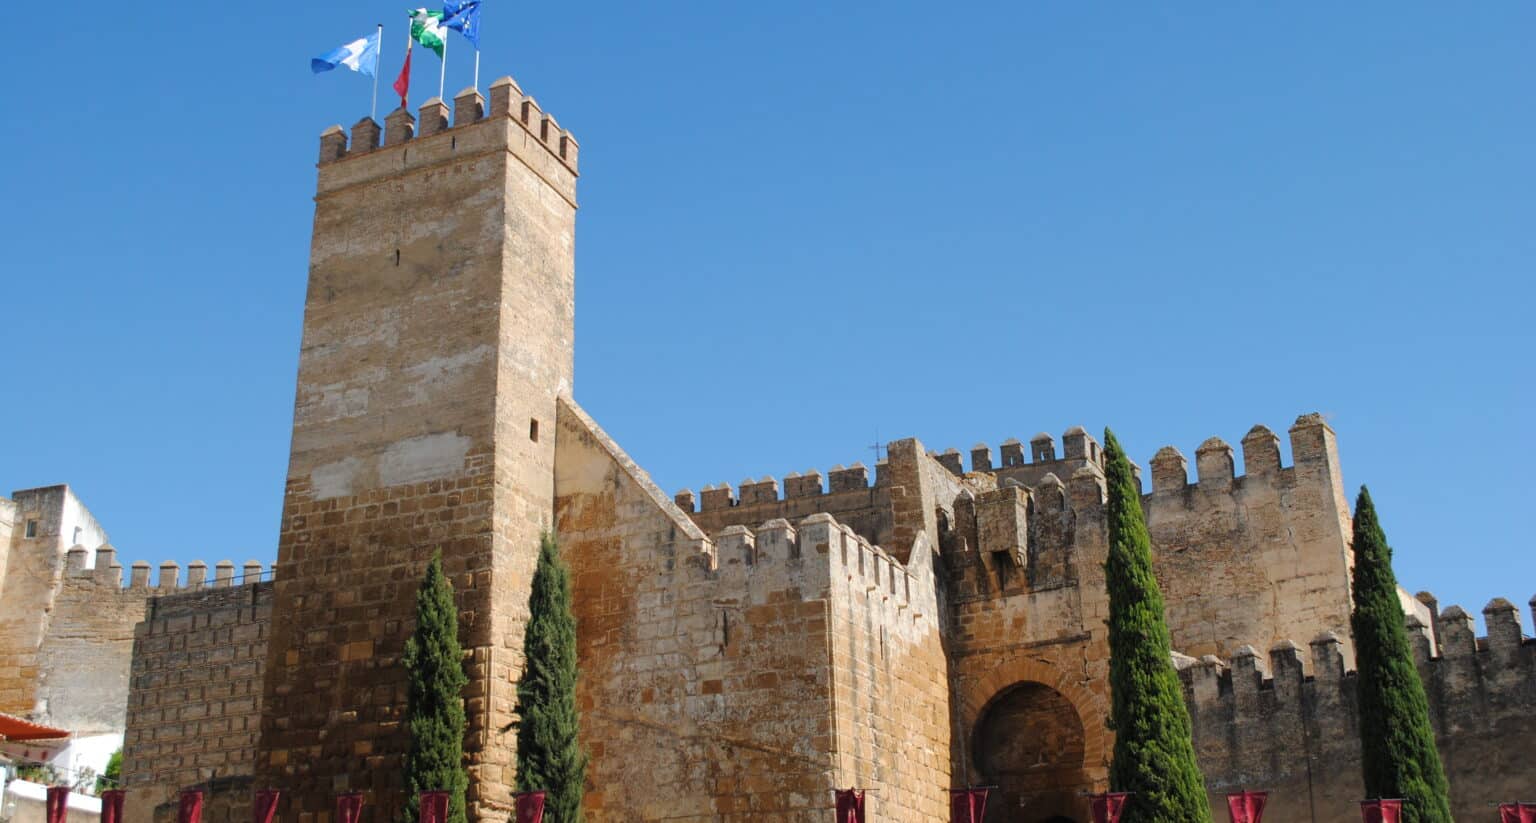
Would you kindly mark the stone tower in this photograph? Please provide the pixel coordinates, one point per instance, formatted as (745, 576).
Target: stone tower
(437, 337)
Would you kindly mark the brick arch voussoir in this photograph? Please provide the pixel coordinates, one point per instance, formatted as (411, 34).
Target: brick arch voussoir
(1090, 708)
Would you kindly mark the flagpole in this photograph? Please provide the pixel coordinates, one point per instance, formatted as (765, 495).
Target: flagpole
(477, 69)
(373, 108)
(442, 73)
(408, 43)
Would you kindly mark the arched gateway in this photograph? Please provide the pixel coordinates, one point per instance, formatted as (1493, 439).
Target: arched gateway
(1037, 733)
(1030, 743)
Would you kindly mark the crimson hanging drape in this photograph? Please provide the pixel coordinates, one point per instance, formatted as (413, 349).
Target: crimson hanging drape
(264, 805)
(967, 805)
(1381, 811)
(112, 806)
(529, 807)
(1107, 807)
(434, 807)
(1517, 813)
(850, 806)
(1247, 807)
(189, 807)
(349, 807)
(58, 803)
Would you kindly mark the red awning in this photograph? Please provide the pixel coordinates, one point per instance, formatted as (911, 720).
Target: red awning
(13, 728)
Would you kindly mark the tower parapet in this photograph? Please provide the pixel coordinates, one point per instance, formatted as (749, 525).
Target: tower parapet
(1280, 535)
(443, 134)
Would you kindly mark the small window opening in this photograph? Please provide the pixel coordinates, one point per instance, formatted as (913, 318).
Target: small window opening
(533, 430)
(397, 257)
(31, 528)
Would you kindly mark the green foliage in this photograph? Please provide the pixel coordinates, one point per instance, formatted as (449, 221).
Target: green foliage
(434, 711)
(549, 758)
(113, 777)
(1154, 748)
(1397, 744)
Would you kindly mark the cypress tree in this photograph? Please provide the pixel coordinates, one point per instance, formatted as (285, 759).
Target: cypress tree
(434, 711)
(1397, 744)
(1154, 748)
(549, 758)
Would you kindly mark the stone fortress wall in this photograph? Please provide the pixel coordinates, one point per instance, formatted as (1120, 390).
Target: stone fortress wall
(1287, 721)
(756, 669)
(1243, 560)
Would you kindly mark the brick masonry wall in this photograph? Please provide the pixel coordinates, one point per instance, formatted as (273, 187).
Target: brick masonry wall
(1263, 724)
(194, 699)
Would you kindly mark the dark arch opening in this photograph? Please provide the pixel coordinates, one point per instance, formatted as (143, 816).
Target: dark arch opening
(1029, 743)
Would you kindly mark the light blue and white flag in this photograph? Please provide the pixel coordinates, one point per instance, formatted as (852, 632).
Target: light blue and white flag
(463, 16)
(360, 55)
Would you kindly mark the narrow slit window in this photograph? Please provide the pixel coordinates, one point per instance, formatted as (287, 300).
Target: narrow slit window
(533, 430)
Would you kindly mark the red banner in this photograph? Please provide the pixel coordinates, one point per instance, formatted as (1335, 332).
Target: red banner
(1381, 811)
(349, 807)
(189, 808)
(112, 806)
(264, 806)
(58, 803)
(1107, 806)
(967, 805)
(1247, 807)
(1517, 813)
(850, 806)
(529, 806)
(434, 807)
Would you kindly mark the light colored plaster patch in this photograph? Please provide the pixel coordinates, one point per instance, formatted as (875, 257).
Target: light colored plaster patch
(335, 479)
(430, 373)
(428, 457)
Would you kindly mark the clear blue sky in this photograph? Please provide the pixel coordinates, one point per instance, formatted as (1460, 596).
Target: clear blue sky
(803, 224)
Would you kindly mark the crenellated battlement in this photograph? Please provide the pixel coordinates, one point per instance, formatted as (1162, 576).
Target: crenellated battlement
(839, 479)
(442, 141)
(1077, 444)
(819, 557)
(433, 118)
(1251, 683)
(1451, 635)
(106, 572)
(1215, 466)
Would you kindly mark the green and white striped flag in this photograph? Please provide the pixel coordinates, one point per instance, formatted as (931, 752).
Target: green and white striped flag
(427, 29)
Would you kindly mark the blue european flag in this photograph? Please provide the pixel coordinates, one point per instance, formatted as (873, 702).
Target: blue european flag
(463, 16)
